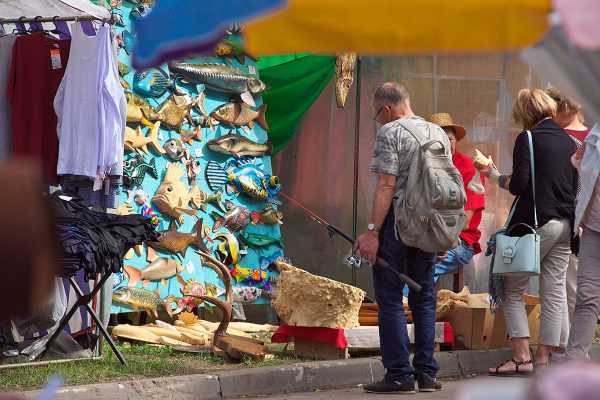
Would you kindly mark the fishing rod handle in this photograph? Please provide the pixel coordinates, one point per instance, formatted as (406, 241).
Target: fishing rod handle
(403, 278)
(333, 228)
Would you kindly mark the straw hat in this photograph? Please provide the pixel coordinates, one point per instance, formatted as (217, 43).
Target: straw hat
(445, 119)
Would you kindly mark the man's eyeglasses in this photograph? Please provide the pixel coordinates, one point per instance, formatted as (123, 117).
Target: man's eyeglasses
(378, 112)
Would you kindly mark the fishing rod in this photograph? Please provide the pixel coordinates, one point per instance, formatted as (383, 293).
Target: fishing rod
(333, 230)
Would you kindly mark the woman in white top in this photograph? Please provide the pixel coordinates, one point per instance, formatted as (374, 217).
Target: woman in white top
(587, 214)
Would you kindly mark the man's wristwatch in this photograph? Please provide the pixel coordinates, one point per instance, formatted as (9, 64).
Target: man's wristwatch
(372, 228)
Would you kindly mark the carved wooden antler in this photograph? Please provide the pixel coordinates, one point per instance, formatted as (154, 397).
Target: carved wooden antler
(236, 347)
(225, 306)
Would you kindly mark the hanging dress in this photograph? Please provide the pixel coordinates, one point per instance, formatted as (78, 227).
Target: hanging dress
(91, 109)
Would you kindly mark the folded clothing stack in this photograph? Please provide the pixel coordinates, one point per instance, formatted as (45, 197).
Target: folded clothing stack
(93, 240)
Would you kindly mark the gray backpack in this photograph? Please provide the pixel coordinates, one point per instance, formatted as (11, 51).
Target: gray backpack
(431, 216)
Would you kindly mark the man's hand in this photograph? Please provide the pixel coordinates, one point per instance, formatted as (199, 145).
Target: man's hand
(367, 245)
(441, 257)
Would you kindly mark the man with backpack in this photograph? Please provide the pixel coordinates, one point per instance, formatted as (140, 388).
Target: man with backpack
(417, 211)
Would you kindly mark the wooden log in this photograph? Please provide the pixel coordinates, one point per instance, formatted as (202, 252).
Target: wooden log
(369, 306)
(368, 321)
(237, 347)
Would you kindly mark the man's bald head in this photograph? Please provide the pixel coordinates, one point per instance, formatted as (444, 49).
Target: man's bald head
(391, 94)
(390, 103)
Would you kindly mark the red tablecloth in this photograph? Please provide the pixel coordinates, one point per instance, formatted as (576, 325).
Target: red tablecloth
(335, 336)
(326, 335)
(448, 334)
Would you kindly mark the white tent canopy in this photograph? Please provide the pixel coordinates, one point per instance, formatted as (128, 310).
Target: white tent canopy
(50, 8)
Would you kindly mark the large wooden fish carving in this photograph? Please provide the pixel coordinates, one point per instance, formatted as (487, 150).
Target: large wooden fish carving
(344, 76)
(159, 269)
(172, 197)
(177, 242)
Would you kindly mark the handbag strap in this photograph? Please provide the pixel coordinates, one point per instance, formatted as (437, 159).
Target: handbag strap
(535, 219)
(512, 210)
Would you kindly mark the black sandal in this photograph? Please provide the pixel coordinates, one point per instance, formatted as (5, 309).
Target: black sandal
(516, 372)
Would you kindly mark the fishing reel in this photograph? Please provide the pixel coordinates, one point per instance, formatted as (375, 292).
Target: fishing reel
(353, 260)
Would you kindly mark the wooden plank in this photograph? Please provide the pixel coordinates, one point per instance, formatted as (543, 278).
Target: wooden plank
(319, 350)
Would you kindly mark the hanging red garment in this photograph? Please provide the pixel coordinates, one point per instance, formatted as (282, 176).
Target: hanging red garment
(38, 65)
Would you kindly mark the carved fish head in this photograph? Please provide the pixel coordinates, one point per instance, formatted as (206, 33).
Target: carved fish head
(122, 294)
(224, 113)
(342, 88)
(344, 76)
(180, 267)
(223, 49)
(171, 194)
(273, 186)
(256, 85)
(195, 166)
(141, 11)
(175, 149)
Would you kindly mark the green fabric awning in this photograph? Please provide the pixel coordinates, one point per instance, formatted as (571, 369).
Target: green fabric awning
(295, 82)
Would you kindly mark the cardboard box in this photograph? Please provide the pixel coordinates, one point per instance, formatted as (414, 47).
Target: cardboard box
(476, 328)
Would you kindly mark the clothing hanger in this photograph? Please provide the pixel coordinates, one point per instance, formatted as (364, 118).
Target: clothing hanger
(40, 28)
(20, 28)
(58, 31)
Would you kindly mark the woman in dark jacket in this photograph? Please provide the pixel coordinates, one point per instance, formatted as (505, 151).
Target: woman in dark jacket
(555, 187)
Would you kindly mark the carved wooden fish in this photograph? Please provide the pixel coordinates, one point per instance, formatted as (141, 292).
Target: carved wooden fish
(344, 76)
(238, 114)
(138, 297)
(139, 110)
(221, 78)
(236, 218)
(175, 149)
(239, 146)
(229, 251)
(172, 197)
(159, 269)
(175, 242)
(125, 84)
(124, 69)
(174, 110)
(259, 240)
(270, 215)
(228, 48)
(214, 199)
(136, 141)
(243, 176)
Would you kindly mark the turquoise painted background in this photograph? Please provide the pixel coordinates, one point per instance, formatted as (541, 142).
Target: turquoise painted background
(213, 100)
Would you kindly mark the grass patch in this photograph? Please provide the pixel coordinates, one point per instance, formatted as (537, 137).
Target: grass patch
(144, 362)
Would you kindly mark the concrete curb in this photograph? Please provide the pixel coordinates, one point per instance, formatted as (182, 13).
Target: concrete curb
(279, 379)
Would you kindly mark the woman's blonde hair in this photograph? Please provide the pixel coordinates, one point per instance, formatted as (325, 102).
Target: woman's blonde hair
(532, 106)
(565, 105)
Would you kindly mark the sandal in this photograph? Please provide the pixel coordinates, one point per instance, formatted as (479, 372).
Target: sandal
(516, 372)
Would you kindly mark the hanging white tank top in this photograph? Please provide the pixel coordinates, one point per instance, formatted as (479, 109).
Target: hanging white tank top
(91, 108)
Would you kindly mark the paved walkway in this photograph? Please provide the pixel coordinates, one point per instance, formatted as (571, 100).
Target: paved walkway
(461, 389)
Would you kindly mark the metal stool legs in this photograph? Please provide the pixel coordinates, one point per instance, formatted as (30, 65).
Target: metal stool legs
(84, 300)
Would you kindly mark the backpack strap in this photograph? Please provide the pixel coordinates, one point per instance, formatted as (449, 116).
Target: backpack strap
(418, 134)
(414, 130)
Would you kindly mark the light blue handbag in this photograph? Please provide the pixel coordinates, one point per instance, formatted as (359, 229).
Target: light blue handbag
(519, 256)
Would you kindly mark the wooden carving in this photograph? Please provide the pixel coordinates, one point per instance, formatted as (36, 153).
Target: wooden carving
(234, 346)
(344, 76)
